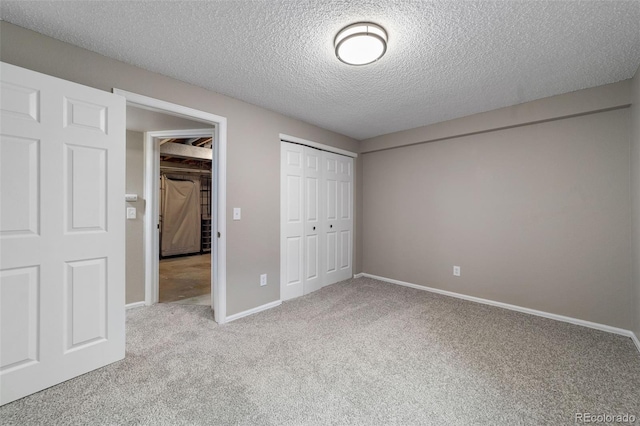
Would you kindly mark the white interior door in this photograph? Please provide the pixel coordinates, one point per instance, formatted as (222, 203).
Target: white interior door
(345, 218)
(330, 212)
(292, 221)
(62, 168)
(338, 214)
(313, 225)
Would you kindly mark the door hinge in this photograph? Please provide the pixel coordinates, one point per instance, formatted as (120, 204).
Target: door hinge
(218, 235)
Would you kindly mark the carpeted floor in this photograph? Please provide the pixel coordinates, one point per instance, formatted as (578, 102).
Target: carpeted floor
(360, 352)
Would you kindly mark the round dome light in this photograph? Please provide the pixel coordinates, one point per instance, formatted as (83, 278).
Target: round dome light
(361, 43)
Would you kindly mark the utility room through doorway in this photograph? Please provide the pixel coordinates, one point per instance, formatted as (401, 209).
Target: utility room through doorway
(184, 220)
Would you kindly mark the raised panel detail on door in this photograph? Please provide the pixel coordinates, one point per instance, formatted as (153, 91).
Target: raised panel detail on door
(85, 115)
(332, 199)
(86, 302)
(311, 254)
(293, 254)
(311, 195)
(332, 251)
(345, 202)
(294, 159)
(19, 185)
(86, 189)
(20, 324)
(332, 165)
(20, 102)
(345, 249)
(313, 162)
(294, 209)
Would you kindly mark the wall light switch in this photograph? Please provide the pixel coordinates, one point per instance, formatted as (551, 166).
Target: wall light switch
(131, 212)
(456, 271)
(237, 213)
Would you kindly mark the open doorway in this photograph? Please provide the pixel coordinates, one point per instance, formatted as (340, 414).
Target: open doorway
(177, 117)
(185, 217)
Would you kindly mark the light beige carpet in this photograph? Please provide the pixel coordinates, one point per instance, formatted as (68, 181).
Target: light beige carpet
(360, 352)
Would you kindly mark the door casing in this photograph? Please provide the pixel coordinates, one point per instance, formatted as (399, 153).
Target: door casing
(151, 176)
(152, 142)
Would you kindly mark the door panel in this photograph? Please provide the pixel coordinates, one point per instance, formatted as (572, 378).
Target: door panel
(292, 221)
(294, 194)
(294, 254)
(345, 222)
(85, 296)
(62, 167)
(332, 198)
(312, 226)
(345, 249)
(332, 252)
(19, 296)
(19, 183)
(331, 216)
(345, 205)
(85, 170)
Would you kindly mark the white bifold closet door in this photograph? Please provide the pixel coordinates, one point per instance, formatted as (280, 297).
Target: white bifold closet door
(338, 216)
(317, 219)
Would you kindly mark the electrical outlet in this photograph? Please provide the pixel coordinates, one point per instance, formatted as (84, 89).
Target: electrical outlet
(263, 280)
(456, 271)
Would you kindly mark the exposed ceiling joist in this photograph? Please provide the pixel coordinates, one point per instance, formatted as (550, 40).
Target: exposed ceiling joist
(186, 151)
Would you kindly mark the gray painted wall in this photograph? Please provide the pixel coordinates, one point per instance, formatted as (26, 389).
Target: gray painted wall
(537, 215)
(635, 194)
(253, 244)
(135, 227)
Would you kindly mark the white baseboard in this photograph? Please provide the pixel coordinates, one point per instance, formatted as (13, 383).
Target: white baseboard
(134, 305)
(253, 311)
(635, 339)
(556, 317)
(360, 275)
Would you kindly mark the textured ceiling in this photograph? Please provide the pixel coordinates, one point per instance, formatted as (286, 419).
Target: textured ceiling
(445, 59)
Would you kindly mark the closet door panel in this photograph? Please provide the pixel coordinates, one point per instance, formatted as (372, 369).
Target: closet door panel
(312, 224)
(331, 215)
(345, 217)
(292, 221)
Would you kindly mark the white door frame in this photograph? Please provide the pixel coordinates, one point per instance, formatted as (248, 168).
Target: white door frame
(219, 186)
(152, 142)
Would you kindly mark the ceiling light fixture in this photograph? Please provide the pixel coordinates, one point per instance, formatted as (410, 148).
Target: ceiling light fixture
(361, 43)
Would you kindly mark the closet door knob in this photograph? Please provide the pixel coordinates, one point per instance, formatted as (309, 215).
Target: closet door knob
(314, 228)
(330, 226)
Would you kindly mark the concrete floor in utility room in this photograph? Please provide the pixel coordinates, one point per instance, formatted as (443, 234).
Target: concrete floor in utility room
(186, 280)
